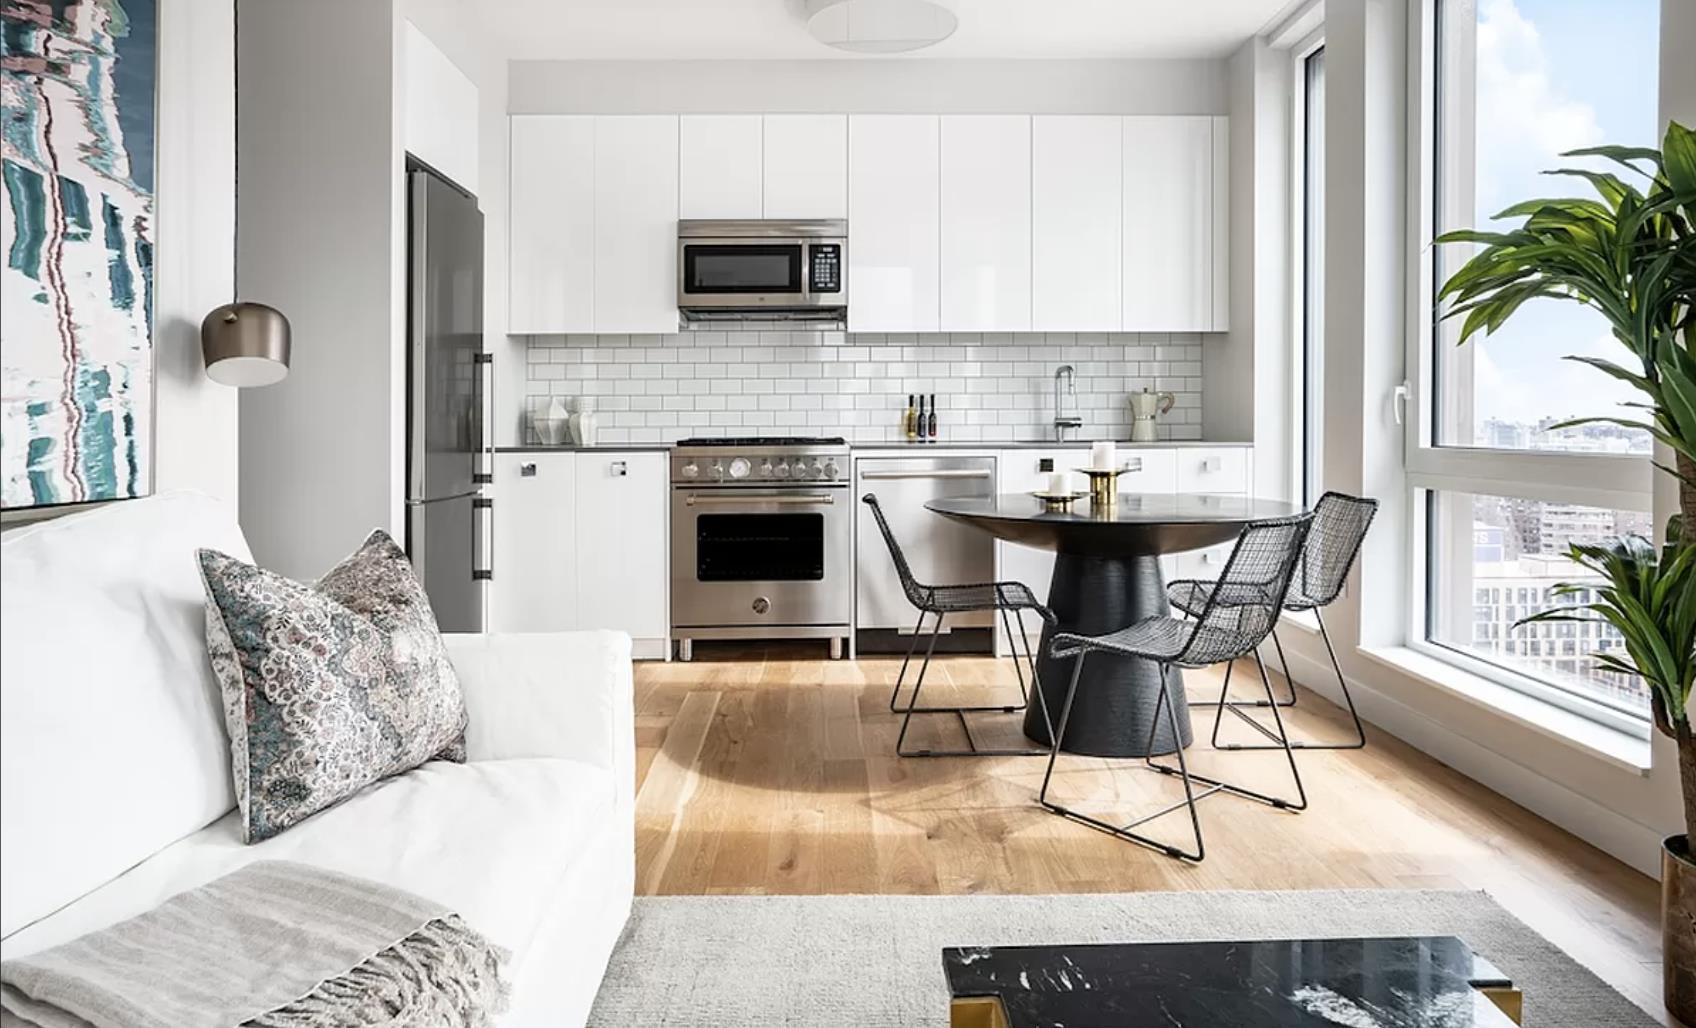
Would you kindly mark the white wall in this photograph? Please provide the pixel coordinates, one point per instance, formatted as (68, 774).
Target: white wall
(317, 203)
(196, 441)
(908, 86)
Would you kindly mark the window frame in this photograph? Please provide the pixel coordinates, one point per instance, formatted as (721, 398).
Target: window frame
(1307, 410)
(1609, 481)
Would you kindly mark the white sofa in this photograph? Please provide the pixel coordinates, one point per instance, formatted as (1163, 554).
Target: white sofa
(114, 764)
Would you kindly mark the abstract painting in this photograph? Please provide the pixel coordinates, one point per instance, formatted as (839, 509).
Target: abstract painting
(77, 81)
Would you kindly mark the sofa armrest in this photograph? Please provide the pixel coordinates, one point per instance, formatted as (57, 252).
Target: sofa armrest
(554, 694)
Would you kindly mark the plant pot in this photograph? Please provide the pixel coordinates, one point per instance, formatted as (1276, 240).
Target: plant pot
(1678, 927)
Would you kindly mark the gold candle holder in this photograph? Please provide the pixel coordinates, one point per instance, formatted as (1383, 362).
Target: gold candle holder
(1103, 486)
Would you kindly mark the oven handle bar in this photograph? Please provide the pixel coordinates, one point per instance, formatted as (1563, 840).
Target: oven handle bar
(960, 473)
(787, 501)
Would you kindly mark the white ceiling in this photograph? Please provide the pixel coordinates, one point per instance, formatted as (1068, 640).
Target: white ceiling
(775, 29)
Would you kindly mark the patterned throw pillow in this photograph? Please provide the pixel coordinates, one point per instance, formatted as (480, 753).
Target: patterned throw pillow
(327, 688)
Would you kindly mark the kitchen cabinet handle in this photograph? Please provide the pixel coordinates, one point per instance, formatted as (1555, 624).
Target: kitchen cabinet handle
(527, 469)
(619, 469)
(785, 501)
(962, 473)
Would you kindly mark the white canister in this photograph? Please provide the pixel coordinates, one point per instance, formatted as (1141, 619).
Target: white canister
(583, 423)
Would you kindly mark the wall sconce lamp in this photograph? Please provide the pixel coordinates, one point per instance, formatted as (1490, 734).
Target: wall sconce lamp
(245, 344)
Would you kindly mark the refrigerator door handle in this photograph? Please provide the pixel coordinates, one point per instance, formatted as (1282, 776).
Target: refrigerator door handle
(483, 543)
(484, 473)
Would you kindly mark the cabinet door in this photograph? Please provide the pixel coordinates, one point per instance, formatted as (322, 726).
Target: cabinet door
(1075, 223)
(1168, 226)
(1222, 470)
(535, 543)
(551, 225)
(622, 564)
(806, 166)
(894, 263)
(1221, 223)
(636, 223)
(719, 166)
(1156, 471)
(986, 223)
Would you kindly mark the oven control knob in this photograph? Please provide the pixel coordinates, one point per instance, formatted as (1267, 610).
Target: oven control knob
(765, 469)
(691, 470)
(829, 471)
(718, 469)
(740, 467)
(782, 469)
(815, 470)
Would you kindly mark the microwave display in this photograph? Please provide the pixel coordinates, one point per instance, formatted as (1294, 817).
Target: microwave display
(717, 268)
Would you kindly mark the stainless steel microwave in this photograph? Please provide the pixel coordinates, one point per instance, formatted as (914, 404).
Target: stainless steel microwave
(788, 270)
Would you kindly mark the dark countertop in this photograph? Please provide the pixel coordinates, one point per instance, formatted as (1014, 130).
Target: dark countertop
(574, 448)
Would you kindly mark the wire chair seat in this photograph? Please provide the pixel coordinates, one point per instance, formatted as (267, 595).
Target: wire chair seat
(966, 599)
(1191, 596)
(1168, 640)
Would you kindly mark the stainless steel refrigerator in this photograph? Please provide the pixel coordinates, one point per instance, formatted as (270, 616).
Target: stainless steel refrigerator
(448, 399)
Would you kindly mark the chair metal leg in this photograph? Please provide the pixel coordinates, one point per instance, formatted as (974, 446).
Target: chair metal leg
(1124, 831)
(895, 694)
(1282, 736)
(1359, 740)
(1288, 681)
(973, 749)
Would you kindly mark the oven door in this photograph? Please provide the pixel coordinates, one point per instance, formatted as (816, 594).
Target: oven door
(723, 273)
(748, 557)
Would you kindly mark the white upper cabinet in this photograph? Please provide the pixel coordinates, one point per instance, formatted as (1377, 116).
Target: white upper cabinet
(720, 166)
(1076, 192)
(441, 111)
(805, 158)
(894, 216)
(1169, 221)
(551, 224)
(636, 223)
(1221, 224)
(986, 223)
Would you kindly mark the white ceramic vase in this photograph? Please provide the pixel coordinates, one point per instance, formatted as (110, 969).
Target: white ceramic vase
(553, 422)
(583, 423)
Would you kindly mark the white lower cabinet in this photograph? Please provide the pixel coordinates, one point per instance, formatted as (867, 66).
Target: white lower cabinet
(581, 543)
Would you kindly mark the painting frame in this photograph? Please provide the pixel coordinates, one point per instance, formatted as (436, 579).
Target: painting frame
(125, 467)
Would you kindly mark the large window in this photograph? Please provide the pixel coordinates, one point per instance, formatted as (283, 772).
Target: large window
(1502, 489)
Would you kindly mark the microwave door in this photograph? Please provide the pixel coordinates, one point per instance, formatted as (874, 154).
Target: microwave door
(743, 274)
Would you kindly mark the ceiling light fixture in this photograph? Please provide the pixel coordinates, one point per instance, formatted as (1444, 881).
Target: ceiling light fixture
(880, 26)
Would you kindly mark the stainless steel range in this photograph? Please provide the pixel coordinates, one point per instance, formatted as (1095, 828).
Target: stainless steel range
(762, 541)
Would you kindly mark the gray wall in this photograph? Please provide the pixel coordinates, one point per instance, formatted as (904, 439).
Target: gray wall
(320, 186)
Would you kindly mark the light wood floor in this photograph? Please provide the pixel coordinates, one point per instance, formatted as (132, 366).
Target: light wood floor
(773, 771)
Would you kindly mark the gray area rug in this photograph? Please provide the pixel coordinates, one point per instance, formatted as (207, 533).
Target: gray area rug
(876, 961)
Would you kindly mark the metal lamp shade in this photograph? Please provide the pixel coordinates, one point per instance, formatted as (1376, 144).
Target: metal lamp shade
(245, 344)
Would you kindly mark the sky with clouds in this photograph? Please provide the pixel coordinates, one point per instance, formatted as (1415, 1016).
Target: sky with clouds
(1554, 75)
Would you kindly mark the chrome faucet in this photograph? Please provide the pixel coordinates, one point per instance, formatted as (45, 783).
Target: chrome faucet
(1067, 374)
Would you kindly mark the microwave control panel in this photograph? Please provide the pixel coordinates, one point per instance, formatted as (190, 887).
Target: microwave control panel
(824, 274)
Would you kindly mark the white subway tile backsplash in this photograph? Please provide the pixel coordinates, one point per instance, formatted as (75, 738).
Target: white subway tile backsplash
(989, 387)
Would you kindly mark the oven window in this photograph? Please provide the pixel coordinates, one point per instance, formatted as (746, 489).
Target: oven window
(709, 268)
(759, 547)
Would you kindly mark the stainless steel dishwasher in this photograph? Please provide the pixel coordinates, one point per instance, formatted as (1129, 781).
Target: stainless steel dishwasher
(940, 551)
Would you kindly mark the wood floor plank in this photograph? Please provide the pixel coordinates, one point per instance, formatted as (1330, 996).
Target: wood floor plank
(774, 771)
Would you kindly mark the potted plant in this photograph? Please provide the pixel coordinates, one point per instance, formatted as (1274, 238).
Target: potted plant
(1629, 253)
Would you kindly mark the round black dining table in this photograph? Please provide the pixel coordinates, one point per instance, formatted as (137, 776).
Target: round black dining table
(1107, 576)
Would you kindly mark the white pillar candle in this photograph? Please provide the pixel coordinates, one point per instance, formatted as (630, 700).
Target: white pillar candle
(1101, 456)
(1059, 483)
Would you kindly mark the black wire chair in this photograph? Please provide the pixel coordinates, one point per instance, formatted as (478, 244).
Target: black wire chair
(1258, 577)
(1009, 599)
(1339, 528)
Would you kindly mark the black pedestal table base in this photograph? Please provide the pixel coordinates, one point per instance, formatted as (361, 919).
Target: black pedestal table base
(1117, 696)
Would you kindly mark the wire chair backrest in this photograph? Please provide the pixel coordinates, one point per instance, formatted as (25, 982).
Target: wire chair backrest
(1256, 579)
(1333, 543)
(916, 593)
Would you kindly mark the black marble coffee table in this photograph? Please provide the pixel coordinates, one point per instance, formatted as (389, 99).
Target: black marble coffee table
(1414, 982)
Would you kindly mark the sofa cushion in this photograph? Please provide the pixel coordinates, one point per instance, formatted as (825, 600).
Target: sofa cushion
(327, 688)
(495, 841)
(113, 742)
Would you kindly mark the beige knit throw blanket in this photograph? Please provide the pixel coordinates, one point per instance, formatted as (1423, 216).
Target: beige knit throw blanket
(273, 945)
